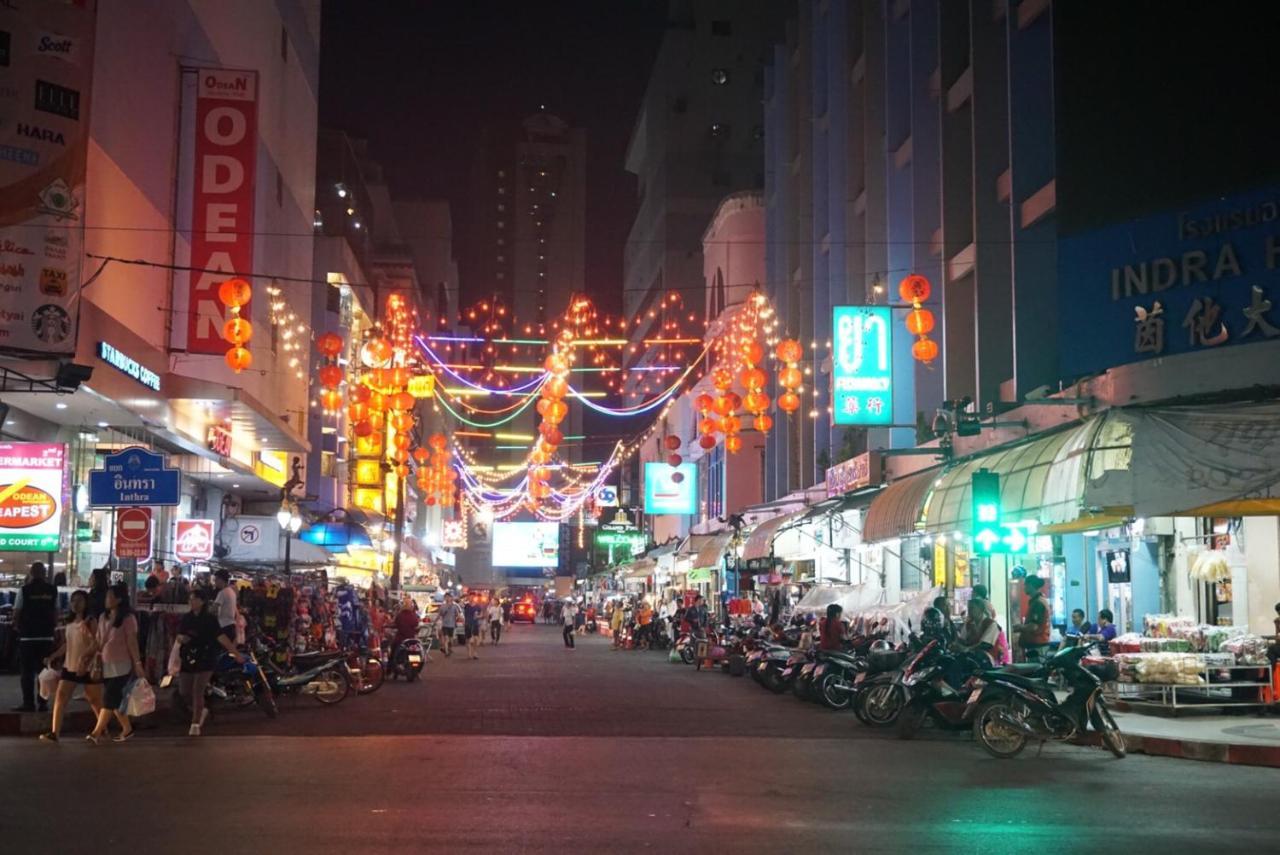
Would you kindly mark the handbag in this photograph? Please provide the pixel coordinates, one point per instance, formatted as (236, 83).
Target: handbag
(48, 682)
(140, 698)
(175, 660)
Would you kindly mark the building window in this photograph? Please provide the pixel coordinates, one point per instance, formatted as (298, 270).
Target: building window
(721, 28)
(333, 299)
(720, 76)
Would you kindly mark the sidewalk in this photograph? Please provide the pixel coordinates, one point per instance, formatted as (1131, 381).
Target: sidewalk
(78, 719)
(1245, 740)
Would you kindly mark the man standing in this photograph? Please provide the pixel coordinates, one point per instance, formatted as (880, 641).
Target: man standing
(448, 621)
(1033, 632)
(567, 615)
(35, 614)
(495, 621)
(696, 617)
(224, 605)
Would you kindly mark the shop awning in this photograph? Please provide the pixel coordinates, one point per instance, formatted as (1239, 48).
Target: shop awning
(896, 510)
(712, 552)
(760, 542)
(1024, 468)
(638, 569)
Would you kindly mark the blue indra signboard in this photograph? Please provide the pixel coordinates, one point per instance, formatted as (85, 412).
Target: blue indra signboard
(1175, 282)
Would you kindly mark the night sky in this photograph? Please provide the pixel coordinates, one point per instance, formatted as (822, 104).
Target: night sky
(419, 80)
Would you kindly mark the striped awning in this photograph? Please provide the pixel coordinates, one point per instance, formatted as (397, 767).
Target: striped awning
(712, 552)
(760, 542)
(896, 511)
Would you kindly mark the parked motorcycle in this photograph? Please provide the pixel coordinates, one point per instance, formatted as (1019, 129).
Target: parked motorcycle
(365, 670)
(234, 684)
(929, 694)
(322, 675)
(1017, 706)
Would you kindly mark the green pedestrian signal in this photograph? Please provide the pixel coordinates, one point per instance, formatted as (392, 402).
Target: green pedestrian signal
(986, 529)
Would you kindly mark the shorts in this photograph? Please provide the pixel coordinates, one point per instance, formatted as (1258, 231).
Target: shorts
(446, 631)
(230, 632)
(113, 693)
(471, 631)
(84, 679)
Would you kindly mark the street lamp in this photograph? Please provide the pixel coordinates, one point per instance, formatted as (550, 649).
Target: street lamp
(290, 522)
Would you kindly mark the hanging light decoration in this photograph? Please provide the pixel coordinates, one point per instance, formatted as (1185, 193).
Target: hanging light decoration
(915, 289)
(235, 294)
(789, 352)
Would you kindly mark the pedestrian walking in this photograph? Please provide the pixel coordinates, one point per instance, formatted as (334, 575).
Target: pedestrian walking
(76, 656)
(224, 604)
(99, 581)
(495, 621)
(35, 615)
(201, 637)
(568, 612)
(120, 660)
(615, 624)
(506, 612)
(471, 628)
(447, 619)
(1033, 632)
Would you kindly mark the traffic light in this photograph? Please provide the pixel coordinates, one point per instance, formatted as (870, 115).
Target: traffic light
(986, 529)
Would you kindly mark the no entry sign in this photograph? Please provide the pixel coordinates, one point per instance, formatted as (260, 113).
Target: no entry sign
(133, 533)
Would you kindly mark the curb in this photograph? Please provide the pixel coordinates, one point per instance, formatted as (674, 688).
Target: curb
(1209, 752)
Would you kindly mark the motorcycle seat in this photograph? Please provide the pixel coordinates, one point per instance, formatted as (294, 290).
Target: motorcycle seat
(1025, 669)
(838, 657)
(1026, 680)
(315, 657)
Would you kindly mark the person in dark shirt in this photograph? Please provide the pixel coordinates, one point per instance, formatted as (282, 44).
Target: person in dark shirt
(696, 616)
(35, 615)
(833, 630)
(1105, 632)
(200, 640)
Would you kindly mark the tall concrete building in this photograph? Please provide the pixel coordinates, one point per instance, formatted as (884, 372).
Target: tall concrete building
(913, 137)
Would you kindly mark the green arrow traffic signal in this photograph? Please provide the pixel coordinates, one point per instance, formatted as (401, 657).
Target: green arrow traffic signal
(986, 529)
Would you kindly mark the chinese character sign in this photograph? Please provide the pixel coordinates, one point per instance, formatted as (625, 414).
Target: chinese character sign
(862, 365)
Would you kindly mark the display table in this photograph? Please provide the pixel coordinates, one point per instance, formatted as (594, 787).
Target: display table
(1216, 686)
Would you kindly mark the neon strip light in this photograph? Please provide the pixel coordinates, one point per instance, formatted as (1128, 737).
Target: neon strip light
(453, 338)
(673, 341)
(587, 342)
(518, 436)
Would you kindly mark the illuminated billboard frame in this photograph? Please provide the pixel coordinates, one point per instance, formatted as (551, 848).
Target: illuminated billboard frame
(862, 365)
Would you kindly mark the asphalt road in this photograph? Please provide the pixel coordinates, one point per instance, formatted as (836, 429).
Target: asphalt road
(536, 749)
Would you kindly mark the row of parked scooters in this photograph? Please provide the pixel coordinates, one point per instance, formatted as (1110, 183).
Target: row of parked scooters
(929, 681)
(328, 676)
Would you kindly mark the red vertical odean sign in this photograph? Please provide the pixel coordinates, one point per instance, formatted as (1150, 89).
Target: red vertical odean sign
(226, 146)
(133, 533)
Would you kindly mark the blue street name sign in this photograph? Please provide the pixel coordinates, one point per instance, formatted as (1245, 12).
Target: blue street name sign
(134, 477)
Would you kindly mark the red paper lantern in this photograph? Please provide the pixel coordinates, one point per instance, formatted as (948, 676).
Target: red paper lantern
(402, 401)
(239, 359)
(237, 330)
(329, 344)
(723, 406)
(752, 378)
(672, 443)
(789, 350)
(788, 402)
(722, 378)
(733, 444)
(919, 321)
(925, 350)
(790, 377)
(557, 387)
(330, 399)
(708, 442)
(753, 352)
(703, 403)
(235, 293)
(363, 428)
(914, 289)
(330, 376)
(762, 423)
(675, 460)
(359, 394)
(707, 427)
(438, 441)
(420, 455)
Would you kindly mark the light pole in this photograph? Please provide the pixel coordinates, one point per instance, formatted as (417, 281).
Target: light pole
(290, 522)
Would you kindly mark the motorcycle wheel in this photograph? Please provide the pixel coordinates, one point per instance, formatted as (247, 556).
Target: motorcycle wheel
(833, 692)
(266, 701)
(772, 680)
(372, 676)
(999, 739)
(336, 677)
(882, 704)
(411, 675)
(687, 655)
(910, 720)
(800, 688)
(1111, 735)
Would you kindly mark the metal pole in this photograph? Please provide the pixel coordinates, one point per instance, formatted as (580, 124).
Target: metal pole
(288, 549)
(399, 535)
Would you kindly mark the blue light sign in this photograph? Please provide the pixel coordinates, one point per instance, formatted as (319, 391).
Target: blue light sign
(862, 365)
(670, 489)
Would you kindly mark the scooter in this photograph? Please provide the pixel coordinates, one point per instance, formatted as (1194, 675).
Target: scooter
(1016, 706)
(930, 697)
(406, 660)
(234, 684)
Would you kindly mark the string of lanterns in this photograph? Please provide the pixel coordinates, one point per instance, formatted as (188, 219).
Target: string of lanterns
(915, 289)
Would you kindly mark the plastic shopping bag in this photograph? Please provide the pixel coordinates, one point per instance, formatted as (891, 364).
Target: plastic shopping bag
(175, 661)
(48, 682)
(141, 699)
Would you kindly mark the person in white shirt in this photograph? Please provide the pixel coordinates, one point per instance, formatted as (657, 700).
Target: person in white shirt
(568, 614)
(495, 621)
(224, 604)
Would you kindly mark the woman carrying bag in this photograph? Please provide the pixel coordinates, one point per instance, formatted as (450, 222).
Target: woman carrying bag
(120, 662)
(77, 654)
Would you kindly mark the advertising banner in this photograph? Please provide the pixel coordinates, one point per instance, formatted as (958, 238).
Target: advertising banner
(1182, 281)
(670, 489)
(46, 56)
(862, 365)
(193, 540)
(526, 544)
(226, 147)
(31, 477)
